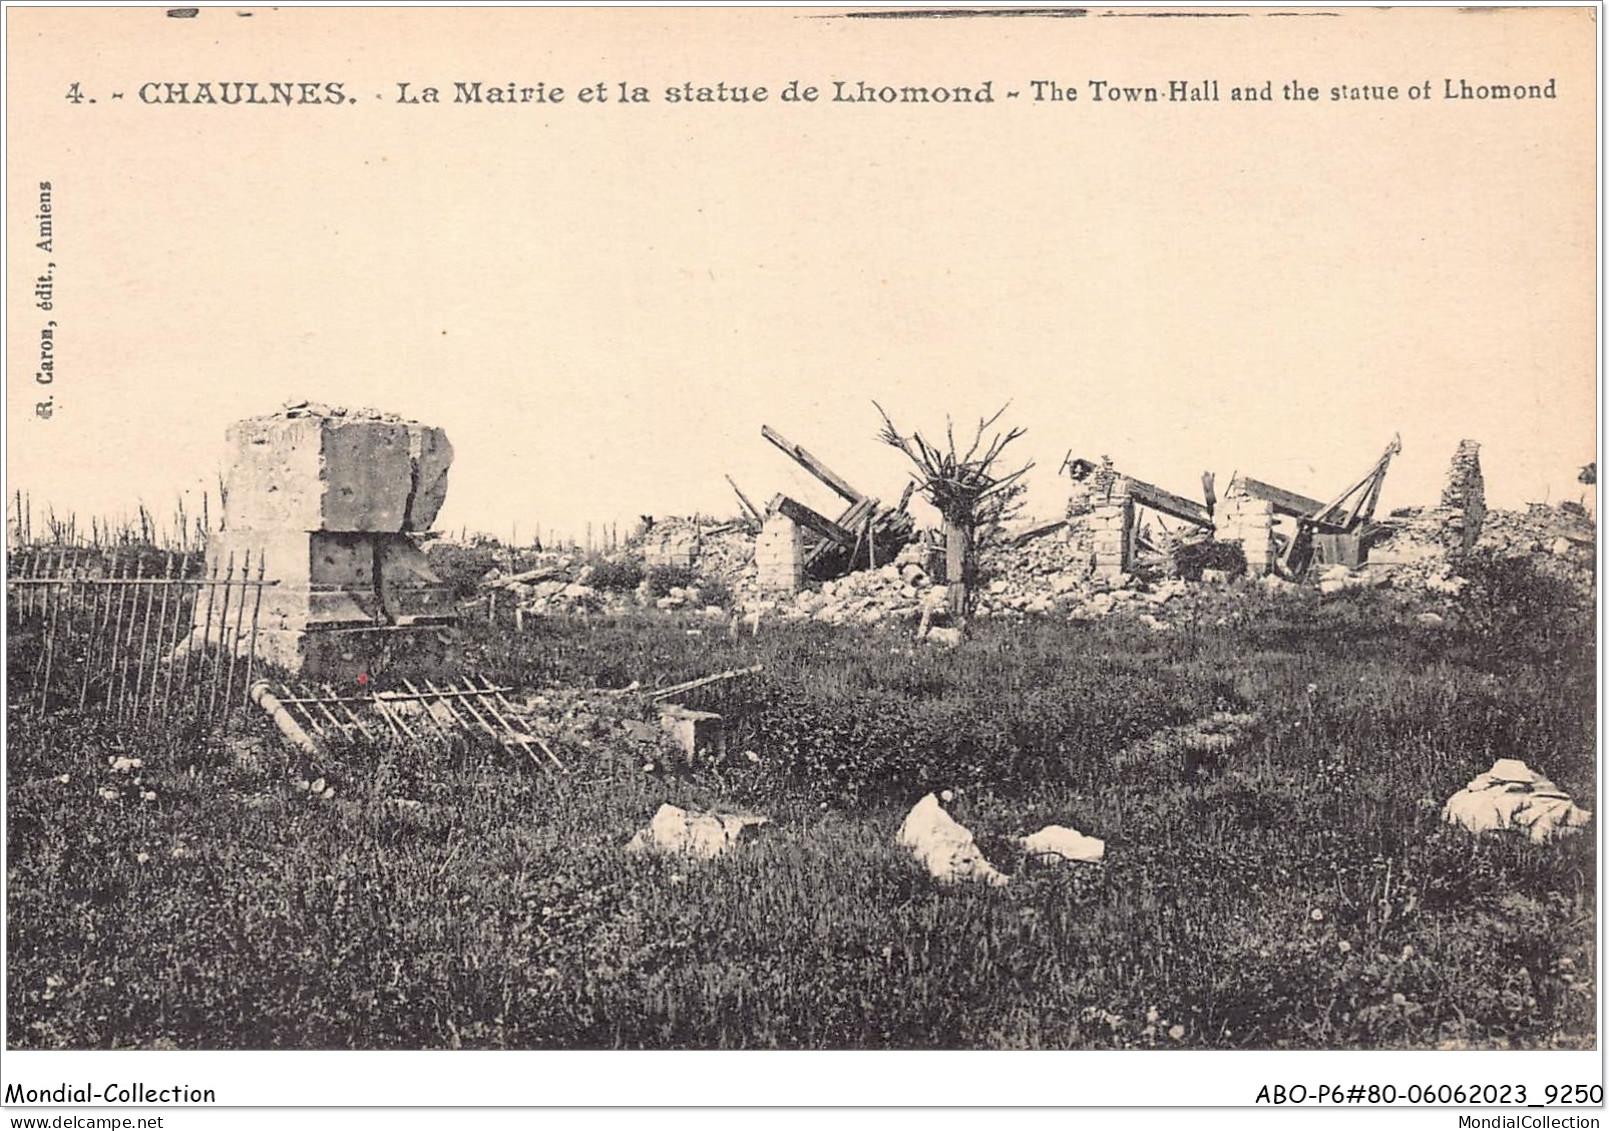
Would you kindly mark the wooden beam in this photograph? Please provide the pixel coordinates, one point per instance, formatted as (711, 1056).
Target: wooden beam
(811, 464)
(743, 500)
(1370, 484)
(857, 514)
(1166, 502)
(810, 520)
(1285, 502)
(1038, 532)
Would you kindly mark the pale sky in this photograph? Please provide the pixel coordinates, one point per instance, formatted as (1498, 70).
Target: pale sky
(602, 304)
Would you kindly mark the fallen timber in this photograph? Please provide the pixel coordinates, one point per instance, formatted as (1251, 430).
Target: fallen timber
(1166, 502)
(1338, 532)
(753, 517)
(866, 533)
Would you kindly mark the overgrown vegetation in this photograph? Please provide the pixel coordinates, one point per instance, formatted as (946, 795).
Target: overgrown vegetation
(618, 575)
(461, 565)
(1297, 890)
(661, 579)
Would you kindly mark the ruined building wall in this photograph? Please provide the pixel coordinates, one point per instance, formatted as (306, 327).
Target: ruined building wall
(1463, 501)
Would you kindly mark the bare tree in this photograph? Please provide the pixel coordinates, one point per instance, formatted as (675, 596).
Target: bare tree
(970, 495)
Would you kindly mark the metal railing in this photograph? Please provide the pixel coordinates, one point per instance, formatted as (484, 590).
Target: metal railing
(307, 714)
(129, 632)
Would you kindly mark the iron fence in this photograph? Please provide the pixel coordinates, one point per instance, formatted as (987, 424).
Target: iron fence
(131, 631)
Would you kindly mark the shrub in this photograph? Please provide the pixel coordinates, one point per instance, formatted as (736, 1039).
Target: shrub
(662, 579)
(462, 567)
(1190, 558)
(621, 575)
(1511, 606)
(715, 591)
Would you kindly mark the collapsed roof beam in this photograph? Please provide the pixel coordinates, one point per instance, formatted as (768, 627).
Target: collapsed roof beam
(1166, 502)
(1287, 503)
(812, 521)
(1369, 486)
(813, 465)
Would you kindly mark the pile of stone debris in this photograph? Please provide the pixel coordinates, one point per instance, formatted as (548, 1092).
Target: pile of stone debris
(1045, 572)
(563, 588)
(709, 555)
(1560, 540)
(1044, 577)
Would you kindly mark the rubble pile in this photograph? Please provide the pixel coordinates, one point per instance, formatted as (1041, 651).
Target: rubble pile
(723, 550)
(1560, 540)
(573, 583)
(1048, 575)
(1050, 569)
(1044, 577)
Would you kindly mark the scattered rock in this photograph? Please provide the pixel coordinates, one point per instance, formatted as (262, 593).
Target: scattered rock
(686, 832)
(1513, 796)
(944, 847)
(1058, 843)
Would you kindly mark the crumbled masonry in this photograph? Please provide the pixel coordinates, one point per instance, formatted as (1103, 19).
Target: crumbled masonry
(945, 848)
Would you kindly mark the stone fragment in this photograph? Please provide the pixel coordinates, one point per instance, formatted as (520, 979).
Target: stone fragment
(696, 732)
(686, 832)
(430, 456)
(1059, 843)
(1513, 796)
(411, 591)
(945, 848)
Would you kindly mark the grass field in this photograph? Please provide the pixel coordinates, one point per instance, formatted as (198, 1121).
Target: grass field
(1297, 890)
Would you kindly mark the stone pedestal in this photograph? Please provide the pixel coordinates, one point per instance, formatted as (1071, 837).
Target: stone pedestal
(325, 503)
(353, 473)
(779, 557)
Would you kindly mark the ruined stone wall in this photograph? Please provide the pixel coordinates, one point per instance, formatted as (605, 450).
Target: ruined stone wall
(1112, 531)
(1463, 501)
(779, 555)
(673, 544)
(1250, 522)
